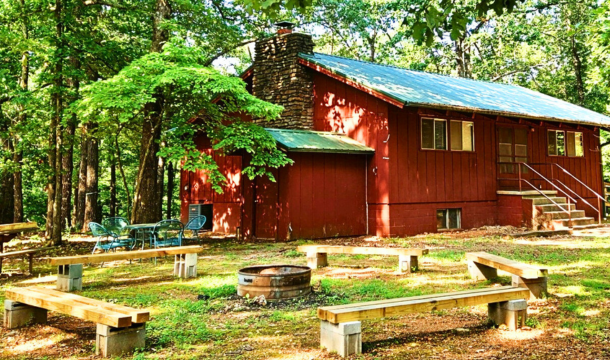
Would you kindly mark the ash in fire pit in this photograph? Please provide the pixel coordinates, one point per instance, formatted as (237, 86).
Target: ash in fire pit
(275, 282)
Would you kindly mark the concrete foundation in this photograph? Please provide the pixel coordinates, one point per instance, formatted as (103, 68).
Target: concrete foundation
(481, 272)
(110, 342)
(537, 287)
(185, 265)
(317, 260)
(345, 339)
(511, 313)
(407, 263)
(17, 314)
(70, 277)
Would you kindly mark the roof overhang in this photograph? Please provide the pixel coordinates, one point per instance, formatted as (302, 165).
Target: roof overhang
(309, 141)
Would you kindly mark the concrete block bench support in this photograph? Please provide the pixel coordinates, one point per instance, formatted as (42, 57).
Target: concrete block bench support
(511, 313)
(70, 277)
(345, 338)
(17, 314)
(317, 255)
(111, 341)
(70, 268)
(484, 266)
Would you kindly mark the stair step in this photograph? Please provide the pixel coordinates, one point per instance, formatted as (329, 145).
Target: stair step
(574, 214)
(576, 222)
(544, 201)
(552, 207)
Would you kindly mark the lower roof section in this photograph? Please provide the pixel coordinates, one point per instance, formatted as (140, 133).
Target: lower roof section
(317, 142)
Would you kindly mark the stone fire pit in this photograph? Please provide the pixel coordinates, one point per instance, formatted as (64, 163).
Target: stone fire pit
(275, 282)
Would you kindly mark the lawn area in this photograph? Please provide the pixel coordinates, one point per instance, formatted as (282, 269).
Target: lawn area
(573, 323)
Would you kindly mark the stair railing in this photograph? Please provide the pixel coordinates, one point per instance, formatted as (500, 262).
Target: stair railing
(545, 179)
(583, 200)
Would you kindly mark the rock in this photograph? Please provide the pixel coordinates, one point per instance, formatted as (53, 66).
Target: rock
(461, 330)
(203, 297)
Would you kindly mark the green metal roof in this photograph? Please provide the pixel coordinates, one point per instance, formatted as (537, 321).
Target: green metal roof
(417, 88)
(317, 141)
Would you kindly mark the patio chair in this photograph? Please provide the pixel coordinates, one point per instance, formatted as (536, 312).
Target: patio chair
(195, 224)
(108, 240)
(117, 225)
(168, 233)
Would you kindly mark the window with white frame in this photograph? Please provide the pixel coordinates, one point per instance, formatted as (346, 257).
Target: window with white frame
(562, 143)
(448, 219)
(462, 135)
(433, 134)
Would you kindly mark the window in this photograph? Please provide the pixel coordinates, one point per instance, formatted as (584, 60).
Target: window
(562, 143)
(462, 135)
(448, 219)
(434, 134)
(512, 148)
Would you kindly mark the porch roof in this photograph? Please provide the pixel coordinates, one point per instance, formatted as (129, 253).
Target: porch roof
(317, 141)
(404, 87)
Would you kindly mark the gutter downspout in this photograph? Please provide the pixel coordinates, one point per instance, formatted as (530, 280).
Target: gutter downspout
(366, 192)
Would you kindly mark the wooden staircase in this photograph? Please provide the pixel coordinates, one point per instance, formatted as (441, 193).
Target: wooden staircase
(552, 213)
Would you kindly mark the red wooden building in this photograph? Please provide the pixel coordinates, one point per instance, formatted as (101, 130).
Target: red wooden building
(387, 151)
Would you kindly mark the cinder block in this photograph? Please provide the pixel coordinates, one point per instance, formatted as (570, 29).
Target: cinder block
(111, 341)
(537, 287)
(185, 265)
(481, 272)
(317, 260)
(70, 277)
(407, 263)
(510, 313)
(345, 338)
(17, 314)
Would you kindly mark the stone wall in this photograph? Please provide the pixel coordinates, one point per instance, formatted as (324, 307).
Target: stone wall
(278, 78)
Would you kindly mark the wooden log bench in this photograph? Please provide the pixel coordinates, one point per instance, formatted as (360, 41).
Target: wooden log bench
(70, 268)
(317, 254)
(120, 329)
(9, 231)
(29, 253)
(484, 266)
(340, 327)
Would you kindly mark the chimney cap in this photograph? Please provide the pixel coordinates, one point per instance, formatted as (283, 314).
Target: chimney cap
(284, 25)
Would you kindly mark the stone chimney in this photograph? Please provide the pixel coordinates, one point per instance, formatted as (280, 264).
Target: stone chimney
(279, 79)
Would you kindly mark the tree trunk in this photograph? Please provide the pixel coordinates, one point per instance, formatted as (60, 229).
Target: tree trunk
(113, 188)
(22, 118)
(67, 169)
(6, 193)
(146, 203)
(160, 178)
(170, 189)
(577, 63)
(58, 103)
(123, 177)
(79, 211)
(91, 191)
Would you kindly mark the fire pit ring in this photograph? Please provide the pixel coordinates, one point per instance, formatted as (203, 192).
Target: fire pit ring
(275, 282)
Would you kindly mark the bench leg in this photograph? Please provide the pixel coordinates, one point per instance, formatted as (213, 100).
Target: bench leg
(537, 287)
(407, 263)
(316, 260)
(510, 313)
(111, 342)
(481, 272)
(17, 314)
(345, 339)
(185, 265)
(70, 277)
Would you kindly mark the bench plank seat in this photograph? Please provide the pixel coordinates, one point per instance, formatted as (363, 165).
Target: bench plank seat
(337, 249)
(140, 254)
(522, 270)
(17, 228)
(409, 305)
(58, 302)
(23, 252)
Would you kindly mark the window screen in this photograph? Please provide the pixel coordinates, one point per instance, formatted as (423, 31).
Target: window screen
(434, 134)
(462, 135)
(448, 219)
(562, 143)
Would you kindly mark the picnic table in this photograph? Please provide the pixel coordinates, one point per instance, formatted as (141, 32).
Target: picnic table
(141, 230)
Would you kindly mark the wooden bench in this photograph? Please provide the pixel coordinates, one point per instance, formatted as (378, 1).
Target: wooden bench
(9, 231)
(30, 253)
(483, 266)
(340, 327)
(120, 329)
(70, 268)
(317, 254)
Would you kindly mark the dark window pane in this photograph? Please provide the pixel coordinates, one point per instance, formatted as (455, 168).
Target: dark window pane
(440, 135)
(506, 150)
(570, 144)
(507, 169)
(561, 150)
(456, 135)
(427, 134)
(454, 218)
(441, 219)
(521, 136)
(521, 150)
(506, 135)
(552, 142)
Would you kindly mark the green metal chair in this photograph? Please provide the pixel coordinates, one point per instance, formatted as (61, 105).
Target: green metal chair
(117, 225)
(108, 240)
(195, 224)
(168, 233)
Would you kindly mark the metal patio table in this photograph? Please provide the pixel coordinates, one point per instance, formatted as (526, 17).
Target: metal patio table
(141, 230)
